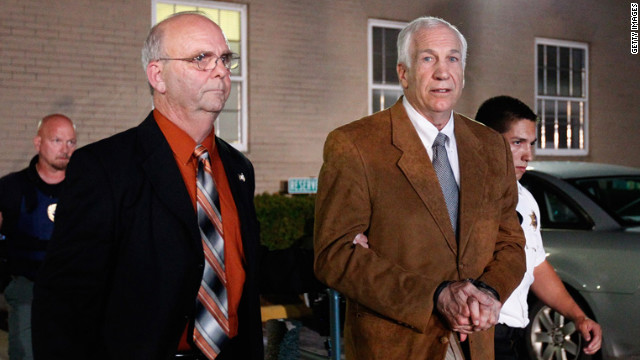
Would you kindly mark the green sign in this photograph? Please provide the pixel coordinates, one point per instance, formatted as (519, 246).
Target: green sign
(302, 185)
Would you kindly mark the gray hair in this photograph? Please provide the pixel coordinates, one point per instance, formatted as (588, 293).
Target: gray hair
(152, 48)
(421, 23)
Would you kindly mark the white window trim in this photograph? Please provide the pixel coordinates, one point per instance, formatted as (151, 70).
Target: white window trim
(243, 144)
(371, 86)
(585, 97)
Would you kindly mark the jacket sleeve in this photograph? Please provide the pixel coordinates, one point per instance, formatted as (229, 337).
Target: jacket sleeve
(504, 273)
(344, 209)
(69, 293)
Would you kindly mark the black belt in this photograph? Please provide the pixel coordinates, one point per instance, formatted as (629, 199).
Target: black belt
(189, 356)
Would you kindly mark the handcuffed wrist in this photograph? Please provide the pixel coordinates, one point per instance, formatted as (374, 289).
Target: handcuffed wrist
(439, 289)
(482, 286)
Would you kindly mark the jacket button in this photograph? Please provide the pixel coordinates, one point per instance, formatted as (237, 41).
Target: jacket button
(444, 340)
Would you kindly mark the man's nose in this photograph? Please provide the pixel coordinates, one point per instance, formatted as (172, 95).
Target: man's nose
(220, 70)
(441, 71)
(528, 153)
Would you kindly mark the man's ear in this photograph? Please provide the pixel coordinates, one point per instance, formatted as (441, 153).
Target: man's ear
(154, 76)
(402, 75)
(37, 140)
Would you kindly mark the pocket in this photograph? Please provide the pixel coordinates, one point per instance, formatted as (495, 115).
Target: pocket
(19, 291)
(9, 291)
(375, 337)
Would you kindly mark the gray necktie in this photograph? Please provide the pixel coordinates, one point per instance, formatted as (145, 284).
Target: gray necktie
(445, 177)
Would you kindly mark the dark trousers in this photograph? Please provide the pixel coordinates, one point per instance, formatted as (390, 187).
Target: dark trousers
(509, 343)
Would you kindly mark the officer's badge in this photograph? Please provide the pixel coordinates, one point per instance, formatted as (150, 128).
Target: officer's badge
(51, 211)
(534, 220)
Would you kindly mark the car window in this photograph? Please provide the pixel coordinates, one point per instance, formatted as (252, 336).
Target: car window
(619, 196)
(557, 210)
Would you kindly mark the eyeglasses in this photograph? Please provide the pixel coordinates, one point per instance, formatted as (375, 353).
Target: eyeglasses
(207, 61)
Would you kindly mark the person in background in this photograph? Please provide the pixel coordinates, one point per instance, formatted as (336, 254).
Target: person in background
(156, 251)
(517, 124)
(28, 200)
(434, 193)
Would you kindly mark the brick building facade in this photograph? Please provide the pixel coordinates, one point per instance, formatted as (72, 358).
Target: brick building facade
(307, 69)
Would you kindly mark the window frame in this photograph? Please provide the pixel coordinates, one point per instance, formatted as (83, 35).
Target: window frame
(371, 23)
(242, 80)
(584, 98)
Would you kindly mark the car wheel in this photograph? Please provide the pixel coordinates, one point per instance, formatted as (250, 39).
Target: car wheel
(551, 336)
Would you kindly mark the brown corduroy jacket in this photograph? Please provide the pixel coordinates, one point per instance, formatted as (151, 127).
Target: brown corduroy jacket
(377, 179)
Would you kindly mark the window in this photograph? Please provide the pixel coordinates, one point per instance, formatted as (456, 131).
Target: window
(384, 88)
(562, 97)
(231, 125)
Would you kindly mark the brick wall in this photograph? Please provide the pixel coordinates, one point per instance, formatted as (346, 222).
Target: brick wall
(307, 69)
(75, 57)
(308, 75)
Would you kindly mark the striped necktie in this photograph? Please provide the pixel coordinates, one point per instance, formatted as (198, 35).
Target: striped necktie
(211, 323)
(446, 179)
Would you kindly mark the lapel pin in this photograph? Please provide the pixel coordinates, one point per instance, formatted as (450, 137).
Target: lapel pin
(241, 177)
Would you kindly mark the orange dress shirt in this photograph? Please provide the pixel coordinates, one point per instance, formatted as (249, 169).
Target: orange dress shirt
(183, 146)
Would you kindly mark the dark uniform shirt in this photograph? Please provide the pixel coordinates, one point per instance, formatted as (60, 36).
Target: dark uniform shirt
(28, 208)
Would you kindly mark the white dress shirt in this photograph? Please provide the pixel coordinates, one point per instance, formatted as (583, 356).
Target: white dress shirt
(515, 312)
(428, 132)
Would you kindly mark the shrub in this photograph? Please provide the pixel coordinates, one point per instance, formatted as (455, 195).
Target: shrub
(285, 220)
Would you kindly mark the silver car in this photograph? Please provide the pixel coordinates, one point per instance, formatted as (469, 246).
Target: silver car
(590, 220)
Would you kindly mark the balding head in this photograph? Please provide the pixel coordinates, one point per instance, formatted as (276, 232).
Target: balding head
(55, 141)
(54, 118)
(154, 45)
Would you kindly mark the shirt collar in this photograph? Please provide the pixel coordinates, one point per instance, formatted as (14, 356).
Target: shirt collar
(180, 142)
(426, 130)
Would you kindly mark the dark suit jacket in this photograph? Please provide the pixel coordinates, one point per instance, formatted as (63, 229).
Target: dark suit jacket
(125, 263)
(377, 179)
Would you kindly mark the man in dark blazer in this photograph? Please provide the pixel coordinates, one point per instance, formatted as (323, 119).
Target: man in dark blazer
(427, 278)
(126, 260)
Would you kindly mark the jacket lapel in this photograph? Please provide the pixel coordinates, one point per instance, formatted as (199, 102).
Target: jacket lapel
(473, 168)
(162, 171)
(235, 175)
(417, 167)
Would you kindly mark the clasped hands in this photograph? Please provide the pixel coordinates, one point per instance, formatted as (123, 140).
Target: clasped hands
(465, 307)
